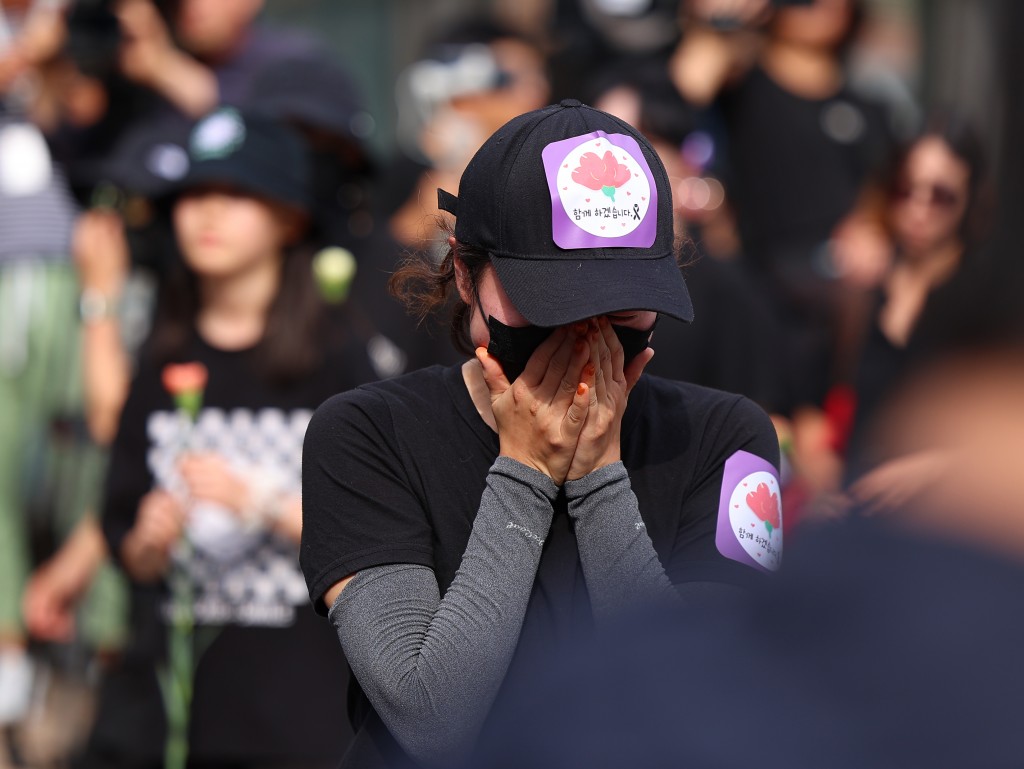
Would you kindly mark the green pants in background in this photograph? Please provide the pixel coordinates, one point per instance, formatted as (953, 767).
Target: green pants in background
(50, 471)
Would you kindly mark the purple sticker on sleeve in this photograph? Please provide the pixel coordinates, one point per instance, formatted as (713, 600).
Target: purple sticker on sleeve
(602, 192)
(750, 512)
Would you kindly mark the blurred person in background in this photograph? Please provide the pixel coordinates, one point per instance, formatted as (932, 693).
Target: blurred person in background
(591, 36)
(319, 99)
(66, 80)
(126, 157)
(126, 152)
(733, 343)
(207, 55)
(49, 471)
(471, 80)
(803, 147)
(935, 204)
(244, 305)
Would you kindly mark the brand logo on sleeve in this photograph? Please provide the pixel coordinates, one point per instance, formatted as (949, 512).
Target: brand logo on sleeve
(750, 512)
(602, 192)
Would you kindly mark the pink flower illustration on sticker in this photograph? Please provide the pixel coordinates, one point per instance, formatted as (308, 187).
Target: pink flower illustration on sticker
(601, 173)
(765, 505)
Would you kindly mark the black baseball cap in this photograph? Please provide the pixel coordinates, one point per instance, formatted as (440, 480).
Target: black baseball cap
(574, 208)
(250, 152)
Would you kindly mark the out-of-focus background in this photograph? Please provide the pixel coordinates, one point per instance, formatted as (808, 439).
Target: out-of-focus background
(847, 176)
(942, 51)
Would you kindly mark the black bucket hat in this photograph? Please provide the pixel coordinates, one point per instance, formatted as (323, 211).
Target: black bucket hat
(315, 92)
(574, 209)
(254, 153)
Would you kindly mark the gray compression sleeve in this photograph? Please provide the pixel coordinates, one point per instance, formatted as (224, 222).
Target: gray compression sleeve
(431, 666)
(620, 565)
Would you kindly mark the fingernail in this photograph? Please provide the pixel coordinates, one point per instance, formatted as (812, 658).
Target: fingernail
(582, 389)
(589, 369)
(580, 328)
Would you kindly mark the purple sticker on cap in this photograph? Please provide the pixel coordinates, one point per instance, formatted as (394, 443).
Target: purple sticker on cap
(750, 512)
(602, 192)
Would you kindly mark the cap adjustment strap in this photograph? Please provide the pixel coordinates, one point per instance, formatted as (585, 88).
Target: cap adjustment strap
(447, 202)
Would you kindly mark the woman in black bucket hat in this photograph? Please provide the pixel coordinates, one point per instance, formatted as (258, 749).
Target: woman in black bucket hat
(201, 501)
(460, 523)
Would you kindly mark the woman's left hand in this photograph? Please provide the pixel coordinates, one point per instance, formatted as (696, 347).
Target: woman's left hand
(211, 479)
(610, 382)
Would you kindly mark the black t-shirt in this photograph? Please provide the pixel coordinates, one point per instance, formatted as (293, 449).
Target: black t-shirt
(268, 653)
(797, 165)
(885, 368)
(796, 168)
(394, 472)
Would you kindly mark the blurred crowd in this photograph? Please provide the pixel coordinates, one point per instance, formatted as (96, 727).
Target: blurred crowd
(181, 181)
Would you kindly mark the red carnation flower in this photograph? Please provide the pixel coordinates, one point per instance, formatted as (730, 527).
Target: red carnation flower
(186, 382)
(765, 505)
(604, 173)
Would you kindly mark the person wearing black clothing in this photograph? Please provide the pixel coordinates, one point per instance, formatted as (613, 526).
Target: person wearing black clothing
(214, 500)
(802, 147)
(459, 521)
(932, 218)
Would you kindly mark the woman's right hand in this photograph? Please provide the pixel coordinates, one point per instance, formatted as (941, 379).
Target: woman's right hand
(146, 42)
(146, 549)
(612, 382)
(541, 414)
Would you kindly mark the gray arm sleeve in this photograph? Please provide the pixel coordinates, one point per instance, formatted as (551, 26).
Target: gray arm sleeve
(431, 666)
(620, 565)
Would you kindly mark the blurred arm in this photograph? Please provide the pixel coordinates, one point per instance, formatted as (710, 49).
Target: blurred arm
(708, 56)
(101, 256)
(150, 57)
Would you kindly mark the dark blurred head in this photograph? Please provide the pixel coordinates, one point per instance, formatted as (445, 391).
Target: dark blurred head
(318, 96)
(935, 187)
(825, 24)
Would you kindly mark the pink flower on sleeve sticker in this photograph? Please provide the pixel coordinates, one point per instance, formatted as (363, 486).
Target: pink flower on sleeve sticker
(601, 173)
(603, 193)
(765, 505)
(750, 512)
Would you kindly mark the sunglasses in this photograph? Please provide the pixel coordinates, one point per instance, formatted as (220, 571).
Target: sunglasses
(936, 195)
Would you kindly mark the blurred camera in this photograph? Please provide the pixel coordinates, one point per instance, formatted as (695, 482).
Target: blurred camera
(94, 35)
(94, 38)
(731, 24)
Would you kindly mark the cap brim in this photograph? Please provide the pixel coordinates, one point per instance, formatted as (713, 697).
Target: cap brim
(242, 178)
(554, 292)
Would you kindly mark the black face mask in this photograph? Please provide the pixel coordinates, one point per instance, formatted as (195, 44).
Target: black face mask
(513, 345)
